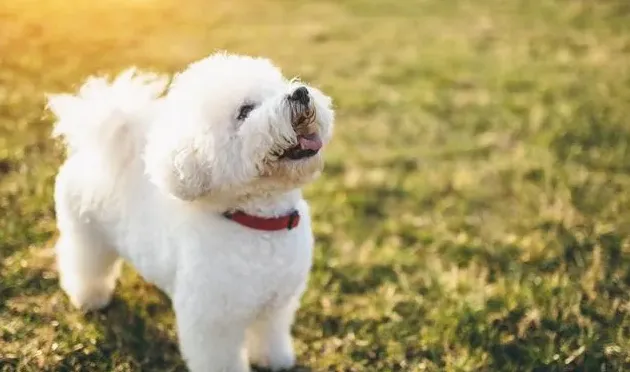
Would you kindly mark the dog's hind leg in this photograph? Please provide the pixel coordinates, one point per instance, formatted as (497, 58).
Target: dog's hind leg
(88, 268)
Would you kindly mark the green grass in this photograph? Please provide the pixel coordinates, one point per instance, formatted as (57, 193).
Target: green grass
(474, 214)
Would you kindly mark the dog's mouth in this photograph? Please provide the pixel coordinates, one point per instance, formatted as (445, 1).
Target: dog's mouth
(308, 146)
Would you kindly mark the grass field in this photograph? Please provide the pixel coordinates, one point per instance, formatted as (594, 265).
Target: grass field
(474, 214)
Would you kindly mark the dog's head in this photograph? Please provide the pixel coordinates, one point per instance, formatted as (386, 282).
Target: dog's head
(233, 128)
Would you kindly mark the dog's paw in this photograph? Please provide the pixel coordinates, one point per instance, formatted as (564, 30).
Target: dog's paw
(276, 360)
(90, 298)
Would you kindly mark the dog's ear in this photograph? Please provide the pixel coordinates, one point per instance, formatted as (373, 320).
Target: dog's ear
(179, 162)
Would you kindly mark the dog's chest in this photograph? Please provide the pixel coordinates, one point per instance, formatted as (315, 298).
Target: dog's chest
(280, 273)
(273, 271)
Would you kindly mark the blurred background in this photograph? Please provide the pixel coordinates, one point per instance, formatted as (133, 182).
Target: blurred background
(473, 215)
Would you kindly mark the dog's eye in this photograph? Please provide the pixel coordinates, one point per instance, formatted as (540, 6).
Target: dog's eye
(244, 111)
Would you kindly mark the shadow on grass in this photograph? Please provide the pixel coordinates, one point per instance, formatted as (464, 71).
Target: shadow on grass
(132, 335)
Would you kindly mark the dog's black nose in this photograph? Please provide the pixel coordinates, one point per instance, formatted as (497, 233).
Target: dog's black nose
(300, 95)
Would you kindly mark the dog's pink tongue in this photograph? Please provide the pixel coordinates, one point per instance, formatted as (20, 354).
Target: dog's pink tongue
(310, 142)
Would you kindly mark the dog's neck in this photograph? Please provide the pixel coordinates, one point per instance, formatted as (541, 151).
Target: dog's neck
(273, 205)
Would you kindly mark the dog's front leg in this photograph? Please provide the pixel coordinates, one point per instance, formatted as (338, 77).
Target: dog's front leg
(209, 340)
(269, 341)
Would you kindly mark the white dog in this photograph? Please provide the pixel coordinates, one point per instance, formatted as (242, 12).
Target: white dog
(196, 183)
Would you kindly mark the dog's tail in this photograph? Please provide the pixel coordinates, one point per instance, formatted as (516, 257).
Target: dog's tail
(107, 119)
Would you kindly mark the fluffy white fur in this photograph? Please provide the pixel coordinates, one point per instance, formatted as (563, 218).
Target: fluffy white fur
(152, 166)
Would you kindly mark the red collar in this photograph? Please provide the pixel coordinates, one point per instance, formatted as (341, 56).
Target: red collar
(288, 222)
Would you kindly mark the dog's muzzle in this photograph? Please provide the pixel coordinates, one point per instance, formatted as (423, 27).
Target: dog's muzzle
(302, 118)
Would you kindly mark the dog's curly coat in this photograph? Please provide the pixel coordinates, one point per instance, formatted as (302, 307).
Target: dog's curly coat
(152, 166)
